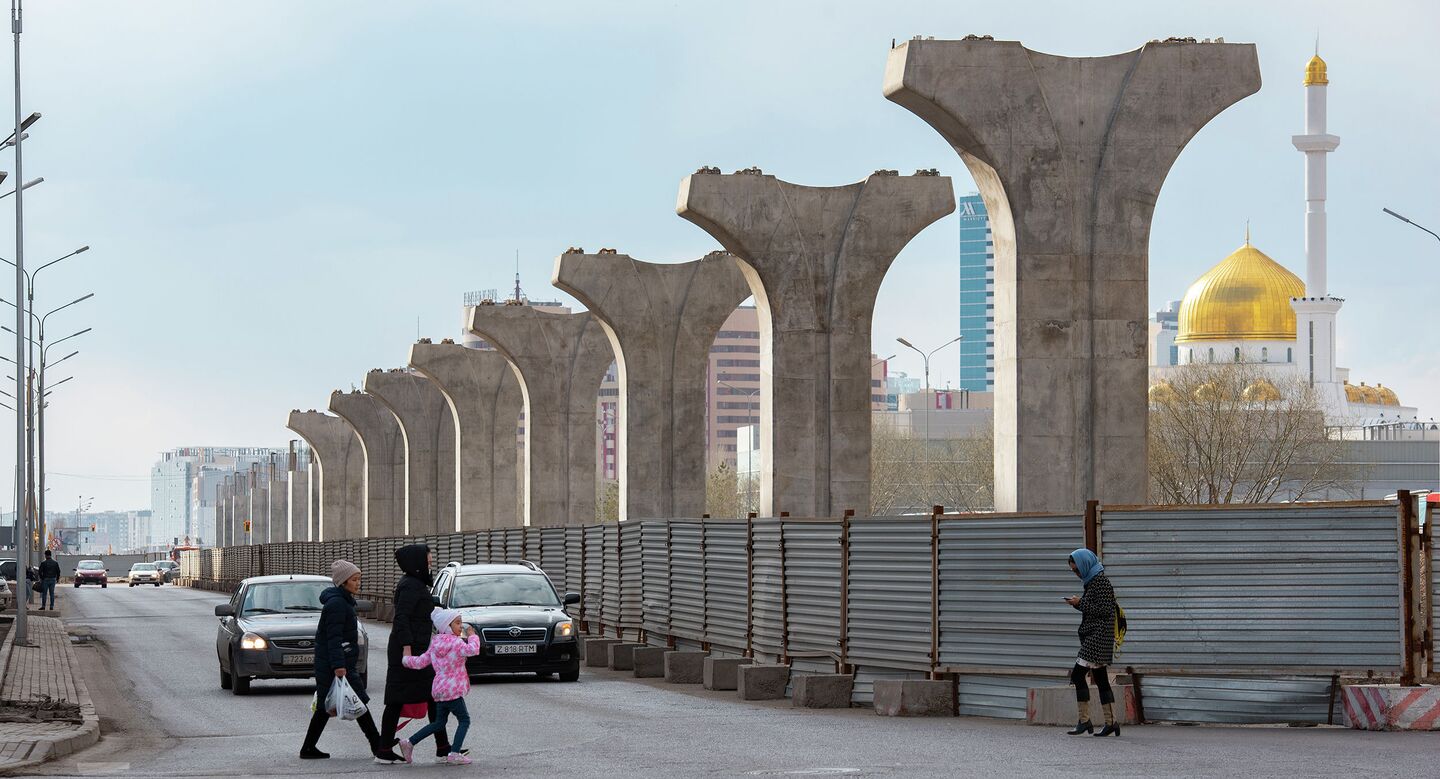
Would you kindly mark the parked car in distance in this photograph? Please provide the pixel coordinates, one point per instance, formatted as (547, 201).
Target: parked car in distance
(8, 569)
(145, 573)
(267, 630)
(169, 568)
(519, 617)
(92, 572)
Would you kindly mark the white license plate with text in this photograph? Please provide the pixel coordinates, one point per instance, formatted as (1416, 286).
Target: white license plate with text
(514, 649)
(298, 660)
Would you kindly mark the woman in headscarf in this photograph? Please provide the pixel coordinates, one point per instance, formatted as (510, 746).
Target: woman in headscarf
(1097, 641)
(410, 634)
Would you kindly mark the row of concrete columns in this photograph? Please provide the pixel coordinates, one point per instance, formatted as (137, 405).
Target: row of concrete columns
(275, 498)
(1069, 156)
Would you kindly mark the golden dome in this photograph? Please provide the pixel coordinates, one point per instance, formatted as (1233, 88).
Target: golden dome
(1210, 391)
(1353, 393)
(1387, 395)
(1369, 395)
(1162, 392)
(1261, 391)
(1315, 72)
(1244, 298)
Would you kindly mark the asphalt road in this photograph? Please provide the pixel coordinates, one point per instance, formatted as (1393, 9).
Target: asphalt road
(153, 674)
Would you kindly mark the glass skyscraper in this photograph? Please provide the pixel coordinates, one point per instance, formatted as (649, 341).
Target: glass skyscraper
(977, 296)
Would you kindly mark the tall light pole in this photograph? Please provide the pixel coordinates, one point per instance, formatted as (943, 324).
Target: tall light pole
(929, 402)
(1412, 224)
(22, 504)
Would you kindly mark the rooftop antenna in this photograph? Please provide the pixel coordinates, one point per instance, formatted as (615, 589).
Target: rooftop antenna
(517, 275)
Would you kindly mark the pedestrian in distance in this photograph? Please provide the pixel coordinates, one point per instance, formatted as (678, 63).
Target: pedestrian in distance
(1097, 641)
(49, 577)
(410, 634)
(453, 642)
(337, 655)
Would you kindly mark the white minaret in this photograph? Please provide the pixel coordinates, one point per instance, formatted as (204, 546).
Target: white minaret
(1315, 313)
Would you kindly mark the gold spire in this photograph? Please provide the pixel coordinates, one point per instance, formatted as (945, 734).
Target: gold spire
(1315, 72)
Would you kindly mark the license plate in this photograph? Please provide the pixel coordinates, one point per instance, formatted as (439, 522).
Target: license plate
(514, 649)
(298, 660)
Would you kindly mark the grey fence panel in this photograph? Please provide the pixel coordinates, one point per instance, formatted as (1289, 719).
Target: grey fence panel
(470, 547)
(594, 581)
(631, 573)
(889, 594)
(1238, 701)
(610, 584)
(687, 581)
(1006, 697)
(812, 597)
(767, 597)
(726, 588)
(514, 545)
(552, 557)
(531, 540)
(575, 567)
(655, 580)
(1001, 583)
(1258, 588)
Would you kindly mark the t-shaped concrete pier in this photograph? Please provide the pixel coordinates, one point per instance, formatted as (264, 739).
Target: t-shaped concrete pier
(429, 431)
(814, 258)
(561, 360)
(1069, 155)
(661, 321)
(384, 447)
(485, 400)
(341, 459)
(297, 506)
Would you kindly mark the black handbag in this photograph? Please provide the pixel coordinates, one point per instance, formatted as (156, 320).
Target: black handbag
(37, 587)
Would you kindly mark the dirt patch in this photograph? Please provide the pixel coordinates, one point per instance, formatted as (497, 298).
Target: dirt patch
(45, 710)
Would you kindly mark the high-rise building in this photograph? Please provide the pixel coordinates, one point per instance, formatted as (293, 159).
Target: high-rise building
(1164, 327)
(182, 488)
(977, 296)
(732, 384)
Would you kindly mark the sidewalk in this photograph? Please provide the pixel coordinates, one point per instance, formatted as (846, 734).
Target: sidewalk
(34, 673)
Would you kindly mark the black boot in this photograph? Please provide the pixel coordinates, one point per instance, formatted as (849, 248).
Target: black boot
(1081, 727)
(309, 750)
(1109, 730)
(311, 753)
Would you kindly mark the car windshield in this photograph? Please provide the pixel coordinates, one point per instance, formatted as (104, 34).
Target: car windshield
(142, 567)
(91, 565)
(503, 589)
(278, 597)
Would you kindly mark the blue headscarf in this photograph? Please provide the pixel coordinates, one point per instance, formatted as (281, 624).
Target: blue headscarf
(1087, 564)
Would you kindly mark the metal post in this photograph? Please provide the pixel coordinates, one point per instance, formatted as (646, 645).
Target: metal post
(935, 513)
(1412, 659)
(844, 661)
(22, 504)
(1092, 526)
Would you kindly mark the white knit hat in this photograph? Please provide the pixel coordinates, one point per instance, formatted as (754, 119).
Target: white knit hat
(441, 619)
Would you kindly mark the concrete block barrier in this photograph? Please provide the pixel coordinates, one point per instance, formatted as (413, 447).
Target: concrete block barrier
(720, 673)
(622, 656)
(914, 698)
(1391, 707)
(822, 691)
(597, 652)
(1056, 705)
(761, 682)
(685, 666)
(649, 662)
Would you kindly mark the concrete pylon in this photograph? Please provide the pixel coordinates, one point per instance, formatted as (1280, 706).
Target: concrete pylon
(485, 402)
(561, 360)
(814, 258)
(297, 505)
(429, 430)
(1069, 155)
(259, 505)
(277, 528)
(341, 457)
(384, 448)
(240, 497)
(222, 513)
(661, 321)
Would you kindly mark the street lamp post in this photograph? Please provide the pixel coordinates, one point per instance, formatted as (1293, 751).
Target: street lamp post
(750, 471)
(22, 505)
(1412, 224)
(929, 402)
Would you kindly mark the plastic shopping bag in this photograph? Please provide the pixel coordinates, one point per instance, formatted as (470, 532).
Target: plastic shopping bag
(343, 701)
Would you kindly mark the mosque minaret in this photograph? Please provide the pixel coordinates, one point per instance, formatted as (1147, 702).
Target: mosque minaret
(1315, 311)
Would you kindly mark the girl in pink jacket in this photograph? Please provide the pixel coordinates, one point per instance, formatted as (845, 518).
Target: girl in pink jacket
(454, 641)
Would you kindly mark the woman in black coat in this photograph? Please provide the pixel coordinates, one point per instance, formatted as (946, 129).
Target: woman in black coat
(337, 654)
(1097, 641)
(411, 630)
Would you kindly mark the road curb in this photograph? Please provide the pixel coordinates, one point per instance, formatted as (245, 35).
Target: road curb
(42, 750)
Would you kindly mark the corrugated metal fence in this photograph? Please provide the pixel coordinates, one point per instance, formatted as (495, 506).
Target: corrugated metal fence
(1237, 614)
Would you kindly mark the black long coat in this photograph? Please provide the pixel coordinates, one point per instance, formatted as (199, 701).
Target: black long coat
(411, 628)
(337, 643)
(1097, 621)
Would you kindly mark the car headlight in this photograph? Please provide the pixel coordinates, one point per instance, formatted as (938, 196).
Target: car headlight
(564, 629)
(252, 641)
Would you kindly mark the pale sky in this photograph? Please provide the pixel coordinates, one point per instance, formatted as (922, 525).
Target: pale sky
(276, 190)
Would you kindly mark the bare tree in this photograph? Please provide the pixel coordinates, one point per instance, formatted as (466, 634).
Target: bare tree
(723, 498)
(958, 473)
(607, 502)
(1229, 433)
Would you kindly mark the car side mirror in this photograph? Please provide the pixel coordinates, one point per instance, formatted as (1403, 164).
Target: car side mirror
(224, 610)
(572, 598)
(363, 606)
(435, 599)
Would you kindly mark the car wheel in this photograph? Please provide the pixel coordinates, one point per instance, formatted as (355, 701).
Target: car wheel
(225, 680)
(104, 585)
(77, 585)
(570, 676)
(157, 584)
(132, 584)
(240, 685)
